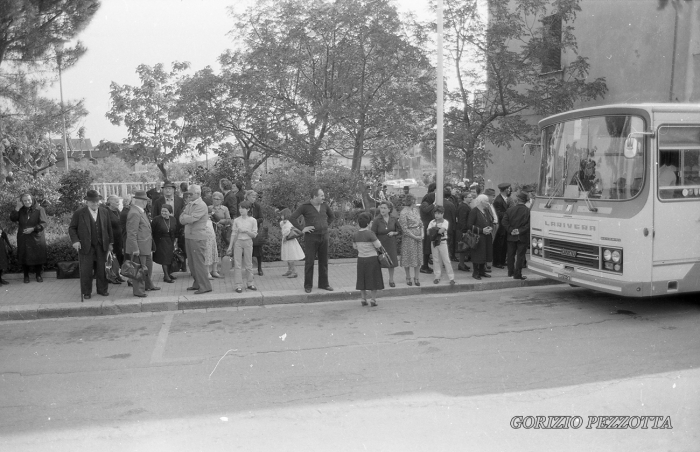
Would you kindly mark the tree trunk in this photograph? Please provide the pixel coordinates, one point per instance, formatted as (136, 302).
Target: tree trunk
(161, 167)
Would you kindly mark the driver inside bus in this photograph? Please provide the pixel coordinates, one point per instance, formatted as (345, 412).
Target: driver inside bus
(588, 178)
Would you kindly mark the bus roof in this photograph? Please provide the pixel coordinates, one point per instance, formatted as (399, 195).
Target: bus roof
(619, 109)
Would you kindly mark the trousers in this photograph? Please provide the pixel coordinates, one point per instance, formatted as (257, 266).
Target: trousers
(316, 244)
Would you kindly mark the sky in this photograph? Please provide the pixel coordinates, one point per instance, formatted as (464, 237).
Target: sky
(126, 33)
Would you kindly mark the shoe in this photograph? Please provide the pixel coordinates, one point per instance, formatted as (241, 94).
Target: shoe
(200, 292)
(510, 274)
(260, 272)
(476, 276)
(484, 275)
(328, 288)
(193, 288)
(499, 266)
(129, 284)
(168, 280)
(39, 278)
(210, 277)
(408, 282)
(154, 288)
(464, 268)
(252, 287)
(426, 270)
(216, 275)
(287, 273)
(307, 289)
(3, 282)
(104, 294)
(391, 284)
(520, 277)
(26, 280)
(86, 296)
(437, 281)
(141, 296)
(239, 290)
(488, 270)
(120, 280)
(364, 303)
(416, 282)
(373, 303)
(452, 282)
(173, 277)
(293, 275)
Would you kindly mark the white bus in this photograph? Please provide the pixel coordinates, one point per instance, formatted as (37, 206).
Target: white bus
(618, 200)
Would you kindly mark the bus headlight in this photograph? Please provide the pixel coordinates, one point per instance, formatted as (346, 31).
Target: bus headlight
(540, 243)
(607, 255)
(616, 256)
(534, 242)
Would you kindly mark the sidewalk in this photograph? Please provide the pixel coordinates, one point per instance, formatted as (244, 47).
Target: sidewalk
(61, 297)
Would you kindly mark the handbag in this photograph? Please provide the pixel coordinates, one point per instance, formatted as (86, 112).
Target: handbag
(384, 258)
(132, 270)
(178, 260)
(261, 238)
(112, 268)
(293, 234)
(67, 270)
(470, 239)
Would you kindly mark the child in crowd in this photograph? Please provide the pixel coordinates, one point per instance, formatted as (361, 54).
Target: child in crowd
(244, 230)
(440, 253)
(290, 249)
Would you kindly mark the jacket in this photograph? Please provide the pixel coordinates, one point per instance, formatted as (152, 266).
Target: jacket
(194, 217)
(31, 248)
(138, 233)
(80, 228)
(517, 217)
(319, 219)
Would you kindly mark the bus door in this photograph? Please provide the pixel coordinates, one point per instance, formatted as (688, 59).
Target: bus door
(676, 249)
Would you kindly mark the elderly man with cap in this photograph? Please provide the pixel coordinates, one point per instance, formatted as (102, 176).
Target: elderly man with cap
(500, 205)
(516, 223)
(194, 217)
(139, 242)
(90, 231)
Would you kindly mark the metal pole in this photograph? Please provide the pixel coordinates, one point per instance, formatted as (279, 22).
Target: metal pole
(63, 113)
(439, 142)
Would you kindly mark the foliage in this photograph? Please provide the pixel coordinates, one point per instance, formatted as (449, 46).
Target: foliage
(73, 186)
(153, 122)
(43, 187)
(111, 169)
(289, 186)
(311, 77)
(499, 62)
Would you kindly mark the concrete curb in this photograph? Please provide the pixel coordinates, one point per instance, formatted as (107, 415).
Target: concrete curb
(247, 298)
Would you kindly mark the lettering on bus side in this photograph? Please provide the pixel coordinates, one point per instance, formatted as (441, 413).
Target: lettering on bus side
(563, 225)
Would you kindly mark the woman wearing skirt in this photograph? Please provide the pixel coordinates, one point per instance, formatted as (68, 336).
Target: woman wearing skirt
(369, 273)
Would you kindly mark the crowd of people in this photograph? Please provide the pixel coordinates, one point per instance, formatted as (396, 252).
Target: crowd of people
(197, 228)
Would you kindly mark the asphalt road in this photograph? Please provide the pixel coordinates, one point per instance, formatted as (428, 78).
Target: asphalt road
(440, 373)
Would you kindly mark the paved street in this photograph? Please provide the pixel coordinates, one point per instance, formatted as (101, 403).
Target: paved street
(426, 372)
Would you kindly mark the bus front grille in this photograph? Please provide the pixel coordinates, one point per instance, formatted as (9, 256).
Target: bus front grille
(572, 253)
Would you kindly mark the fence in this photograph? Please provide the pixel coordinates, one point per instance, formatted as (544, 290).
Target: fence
(122, 189)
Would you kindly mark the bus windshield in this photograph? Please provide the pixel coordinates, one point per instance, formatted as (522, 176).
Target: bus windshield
(586, 158)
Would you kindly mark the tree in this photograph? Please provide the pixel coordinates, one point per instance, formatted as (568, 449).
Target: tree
(508, 67)
(149, 112)
(32, 33)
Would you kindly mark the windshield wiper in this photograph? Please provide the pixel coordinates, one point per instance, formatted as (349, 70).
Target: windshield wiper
(589, 204)
(554, 193)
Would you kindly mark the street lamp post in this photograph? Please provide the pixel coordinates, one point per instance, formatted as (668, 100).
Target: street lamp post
(59, 61)
(439, 143)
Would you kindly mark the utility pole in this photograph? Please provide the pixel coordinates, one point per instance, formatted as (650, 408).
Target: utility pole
(59, 61)
(440, 133)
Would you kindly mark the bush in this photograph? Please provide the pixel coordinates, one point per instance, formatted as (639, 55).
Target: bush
(74, 184)
(23, 183)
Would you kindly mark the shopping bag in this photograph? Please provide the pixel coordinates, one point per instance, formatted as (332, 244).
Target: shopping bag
(470, 239)
(112, 268)
(67, 270)
(131, 270)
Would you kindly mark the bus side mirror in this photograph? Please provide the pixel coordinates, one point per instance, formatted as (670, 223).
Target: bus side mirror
(631, 147)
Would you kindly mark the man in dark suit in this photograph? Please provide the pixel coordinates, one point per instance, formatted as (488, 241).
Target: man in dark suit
(516, 223)
(500, 247)
(427, 207)
(139, 242)
(230, 200)
(91, 233)
(178, 204)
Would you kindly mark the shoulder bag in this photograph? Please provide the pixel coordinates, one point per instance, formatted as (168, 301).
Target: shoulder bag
(384, 259)
(470, 239)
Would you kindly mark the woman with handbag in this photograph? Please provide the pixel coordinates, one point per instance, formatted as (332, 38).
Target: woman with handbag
(290, 249)
(369, 271)
(164, 231)
(462, 216)
(31, 243)
(256, 212)
(412, 239)
(386, 228)
(479, 222)
(221, 218)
